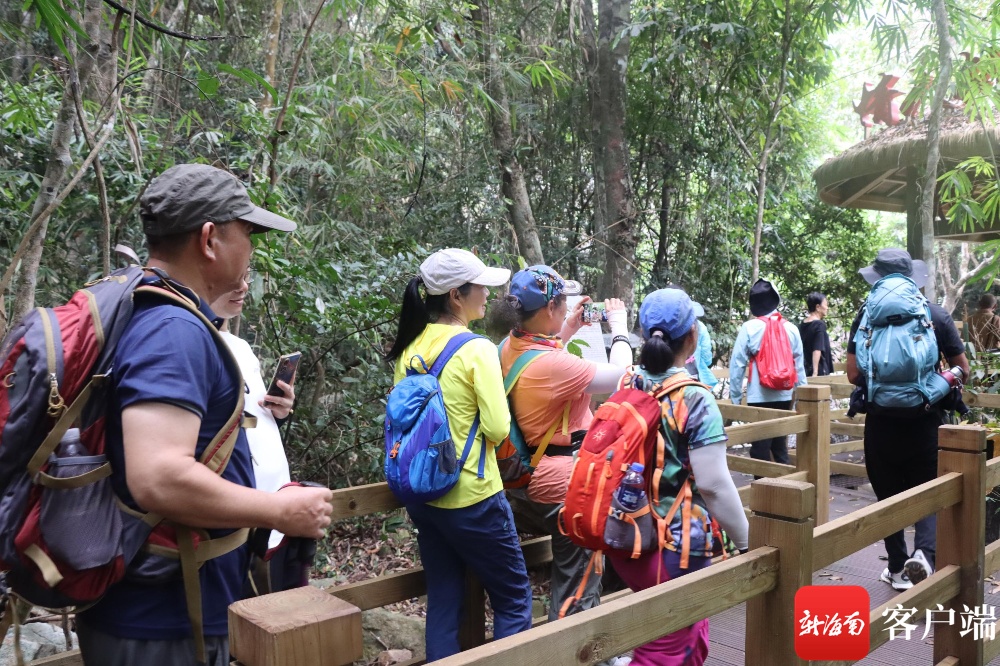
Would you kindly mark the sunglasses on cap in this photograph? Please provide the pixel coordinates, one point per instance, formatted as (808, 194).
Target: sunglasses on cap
(549, 284)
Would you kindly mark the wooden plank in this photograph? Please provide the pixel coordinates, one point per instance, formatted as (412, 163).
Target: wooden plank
(792, 500)
(300, 626)
(751, 414)
(983, 400)
(852, 429)
(751, 432)
(961, 530)
(402, 585)
(828, 380)
(68, 658)
(813, 446)
(766, 468)
(841, 415)
(848, 446)
(615, 627)
(782, 519)
(363, 500)
(838, 467)
(843, 536)
(992, 473)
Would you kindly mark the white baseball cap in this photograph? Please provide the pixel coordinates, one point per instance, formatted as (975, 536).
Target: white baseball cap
(449, 269)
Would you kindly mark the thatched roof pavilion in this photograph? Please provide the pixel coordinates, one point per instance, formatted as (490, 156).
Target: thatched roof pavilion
(880, 173)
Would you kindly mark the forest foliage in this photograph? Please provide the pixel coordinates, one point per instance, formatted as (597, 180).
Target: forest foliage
(390, 128)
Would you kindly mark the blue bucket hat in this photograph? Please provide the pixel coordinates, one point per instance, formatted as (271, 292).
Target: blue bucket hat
(536, 285)
(669, 310)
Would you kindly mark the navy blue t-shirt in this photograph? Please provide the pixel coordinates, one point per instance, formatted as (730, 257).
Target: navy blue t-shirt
(168, 355)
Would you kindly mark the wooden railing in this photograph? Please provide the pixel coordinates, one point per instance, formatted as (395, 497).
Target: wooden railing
(785, 509)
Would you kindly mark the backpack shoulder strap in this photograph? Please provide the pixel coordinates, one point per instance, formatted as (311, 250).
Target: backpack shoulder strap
(217, 454)
(449, 350)
(520, 365)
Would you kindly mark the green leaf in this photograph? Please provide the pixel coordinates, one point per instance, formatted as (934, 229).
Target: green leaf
(207, 84)
(251, 77)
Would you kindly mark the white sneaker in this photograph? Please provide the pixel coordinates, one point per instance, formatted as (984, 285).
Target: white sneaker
(917, 568)
(899, 581)
(622, 661)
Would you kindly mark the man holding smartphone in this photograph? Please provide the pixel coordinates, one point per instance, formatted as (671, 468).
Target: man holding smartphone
(172, 393)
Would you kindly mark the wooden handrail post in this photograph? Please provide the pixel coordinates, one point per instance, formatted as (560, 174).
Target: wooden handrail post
(782, 518)
(812, 448)
(961, 536)
(472, 631)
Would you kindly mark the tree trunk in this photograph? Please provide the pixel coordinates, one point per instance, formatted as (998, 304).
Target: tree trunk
(514, 187)
(24, 55)
(928, 189)
(588, 44)
(621, 237)
(59, 161)
(761, 199)
(271, 53)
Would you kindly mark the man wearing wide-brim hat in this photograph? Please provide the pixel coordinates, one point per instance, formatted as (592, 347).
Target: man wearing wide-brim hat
(901, 447)
(764, 302)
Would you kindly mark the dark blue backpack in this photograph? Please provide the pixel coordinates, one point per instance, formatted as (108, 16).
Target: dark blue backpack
(420, 457)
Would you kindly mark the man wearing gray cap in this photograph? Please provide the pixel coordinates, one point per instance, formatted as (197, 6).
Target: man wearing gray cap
(901, 442)
(173, 395)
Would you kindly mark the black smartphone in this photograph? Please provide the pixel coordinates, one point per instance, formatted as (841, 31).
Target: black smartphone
(287, 365)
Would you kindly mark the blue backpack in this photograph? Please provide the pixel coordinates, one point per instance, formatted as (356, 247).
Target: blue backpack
(895, 346)
(420, 455)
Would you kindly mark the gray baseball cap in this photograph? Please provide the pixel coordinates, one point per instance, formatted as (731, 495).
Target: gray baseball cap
(186, 196)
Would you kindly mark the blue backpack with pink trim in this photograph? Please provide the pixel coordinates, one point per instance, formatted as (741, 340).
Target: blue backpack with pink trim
(421, 461)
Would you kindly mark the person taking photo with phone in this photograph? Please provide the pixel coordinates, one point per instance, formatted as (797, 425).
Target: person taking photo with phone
(471, 527)
(551, 404)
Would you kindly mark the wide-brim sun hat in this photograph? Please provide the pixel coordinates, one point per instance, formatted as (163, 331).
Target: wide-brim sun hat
(895, 260)
(453, 267)
(185, 196)
(764, 298)
(668, 310)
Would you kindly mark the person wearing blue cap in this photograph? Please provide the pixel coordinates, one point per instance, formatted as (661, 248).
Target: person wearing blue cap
(550, 402)
(694, 451)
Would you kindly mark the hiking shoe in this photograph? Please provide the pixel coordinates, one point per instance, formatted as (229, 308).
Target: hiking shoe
(917, 568)
(899, 581)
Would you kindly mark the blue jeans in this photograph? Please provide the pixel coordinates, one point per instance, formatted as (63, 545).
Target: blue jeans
(482, 539)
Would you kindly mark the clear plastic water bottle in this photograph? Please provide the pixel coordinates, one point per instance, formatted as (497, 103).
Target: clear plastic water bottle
(632, 490)
(69, 445)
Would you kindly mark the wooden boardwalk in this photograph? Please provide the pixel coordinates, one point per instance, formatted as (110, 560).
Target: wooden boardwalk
(862, 568)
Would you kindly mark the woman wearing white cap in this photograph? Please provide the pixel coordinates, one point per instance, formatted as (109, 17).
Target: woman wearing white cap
(472, 525)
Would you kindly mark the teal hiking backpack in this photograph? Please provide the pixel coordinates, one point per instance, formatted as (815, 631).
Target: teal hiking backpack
(895, 346)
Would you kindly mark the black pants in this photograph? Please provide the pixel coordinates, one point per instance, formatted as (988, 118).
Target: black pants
(901, 452)
(777, 447)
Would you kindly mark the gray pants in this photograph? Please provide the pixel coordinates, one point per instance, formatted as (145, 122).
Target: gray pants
(569, 561)
(100, 649)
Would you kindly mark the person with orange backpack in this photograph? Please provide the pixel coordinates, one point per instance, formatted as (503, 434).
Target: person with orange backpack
(690, 492)
(768, 353)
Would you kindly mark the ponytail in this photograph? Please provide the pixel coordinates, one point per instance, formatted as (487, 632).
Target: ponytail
(417, 312)
(657, 354)
(413, 319)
